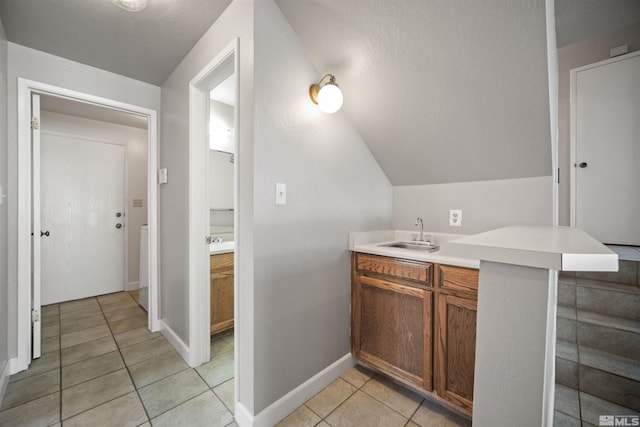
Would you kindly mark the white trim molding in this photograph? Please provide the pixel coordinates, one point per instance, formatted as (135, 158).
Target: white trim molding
(25, 89)
(177, 343)
(296, 397)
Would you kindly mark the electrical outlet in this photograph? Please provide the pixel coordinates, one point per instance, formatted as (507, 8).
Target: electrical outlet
(455, 217)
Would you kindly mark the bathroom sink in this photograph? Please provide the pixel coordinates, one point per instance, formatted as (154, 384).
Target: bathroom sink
(417, 246)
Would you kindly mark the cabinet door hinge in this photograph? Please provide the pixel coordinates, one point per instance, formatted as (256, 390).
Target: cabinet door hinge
(35, 316)
(35, 123)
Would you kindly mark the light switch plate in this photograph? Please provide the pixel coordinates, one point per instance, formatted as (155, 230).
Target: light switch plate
(281, 193)
(163, 176)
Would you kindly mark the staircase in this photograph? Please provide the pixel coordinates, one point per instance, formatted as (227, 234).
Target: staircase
(598, 343)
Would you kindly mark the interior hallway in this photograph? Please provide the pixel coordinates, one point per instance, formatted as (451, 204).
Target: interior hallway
(101, 366)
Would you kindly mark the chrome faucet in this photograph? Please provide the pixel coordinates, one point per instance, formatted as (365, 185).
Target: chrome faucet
(419, 220)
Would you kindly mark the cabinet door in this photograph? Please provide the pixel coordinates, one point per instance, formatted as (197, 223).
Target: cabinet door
(455, 349)
(221, 292)
(392, 329)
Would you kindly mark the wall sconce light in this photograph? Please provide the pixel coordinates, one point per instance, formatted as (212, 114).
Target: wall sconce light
(327, 97)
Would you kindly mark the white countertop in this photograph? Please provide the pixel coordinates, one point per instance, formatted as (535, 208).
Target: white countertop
(369, 242)
(555, 248)
(222, 247)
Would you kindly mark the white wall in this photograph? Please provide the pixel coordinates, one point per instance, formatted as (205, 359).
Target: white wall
(485, 204)
(221, 190)
(334, 186)
(572, 56)
(45, 68)
(4, 303)
(235, 22)
(221, 127)
(135, 141)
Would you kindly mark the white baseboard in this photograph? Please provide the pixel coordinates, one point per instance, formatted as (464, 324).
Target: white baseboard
(14, 365)
(296, 397)
(175, 341)
(4, 378)
(132, 286)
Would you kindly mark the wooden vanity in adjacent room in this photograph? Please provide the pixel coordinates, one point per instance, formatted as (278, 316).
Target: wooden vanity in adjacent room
(221, 292)
(415, 321)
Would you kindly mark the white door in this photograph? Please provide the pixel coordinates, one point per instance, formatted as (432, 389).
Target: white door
(82, 209)
(606, 149)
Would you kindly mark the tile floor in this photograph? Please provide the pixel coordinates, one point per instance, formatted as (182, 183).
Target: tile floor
(359, 398)
(101, 366)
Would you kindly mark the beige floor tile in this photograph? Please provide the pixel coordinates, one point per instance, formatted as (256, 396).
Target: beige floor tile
(45, 363)
(225, 393)
(145, 350)
(50, 331)
(113, 298)
(205, 410)
(81, 324)
(49, 309)
(71, 316)
(85, 335)
(156, 368)
(125, 411)
(358, 375)
(431, 414)
(91, 368)
(330, 397)
(41, 412)
(394, 396)
(127, 324)
(81, 304)
(219, 345)
(31, 388)
(127, 313)
(135, 336)
(88, 350)
(362, 410)
(147, 424)
(323, 424)
(92, 393)
(301, 417)
(50, 319)
(171, 392)
(50, 344)
(218, 370)
(119, 305)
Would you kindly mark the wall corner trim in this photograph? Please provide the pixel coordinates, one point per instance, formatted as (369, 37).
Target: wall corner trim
(296, 397)
(177, 343)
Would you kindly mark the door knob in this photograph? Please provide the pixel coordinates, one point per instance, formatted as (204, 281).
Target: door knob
(583, 165)
(118, 225)
(118, 214)
(44, 233)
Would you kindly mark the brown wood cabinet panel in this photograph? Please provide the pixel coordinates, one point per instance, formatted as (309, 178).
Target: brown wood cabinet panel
(399, 268)
(457, 279)
(393, 324)
(455, 349)
(222, 306)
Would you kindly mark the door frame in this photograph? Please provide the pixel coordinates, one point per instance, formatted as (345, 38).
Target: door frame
(573, 128)
(199, 275)
(25, 89)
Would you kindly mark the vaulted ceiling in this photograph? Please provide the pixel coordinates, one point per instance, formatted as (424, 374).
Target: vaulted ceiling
(441, 91)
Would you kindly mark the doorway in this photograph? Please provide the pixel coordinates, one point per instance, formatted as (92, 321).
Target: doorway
(605, 196)
(29, 169)
(213, 195)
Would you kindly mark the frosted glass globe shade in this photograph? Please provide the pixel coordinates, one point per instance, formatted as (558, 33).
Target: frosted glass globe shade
(330, 98)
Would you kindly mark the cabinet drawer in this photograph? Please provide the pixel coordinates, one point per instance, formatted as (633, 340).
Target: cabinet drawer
(403, 269)
(222, 264)
(457, 279)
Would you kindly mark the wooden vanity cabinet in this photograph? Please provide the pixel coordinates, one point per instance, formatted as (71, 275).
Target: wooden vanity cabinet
(416, 322)
(392, 317)
(221, 292)
(455, 333)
